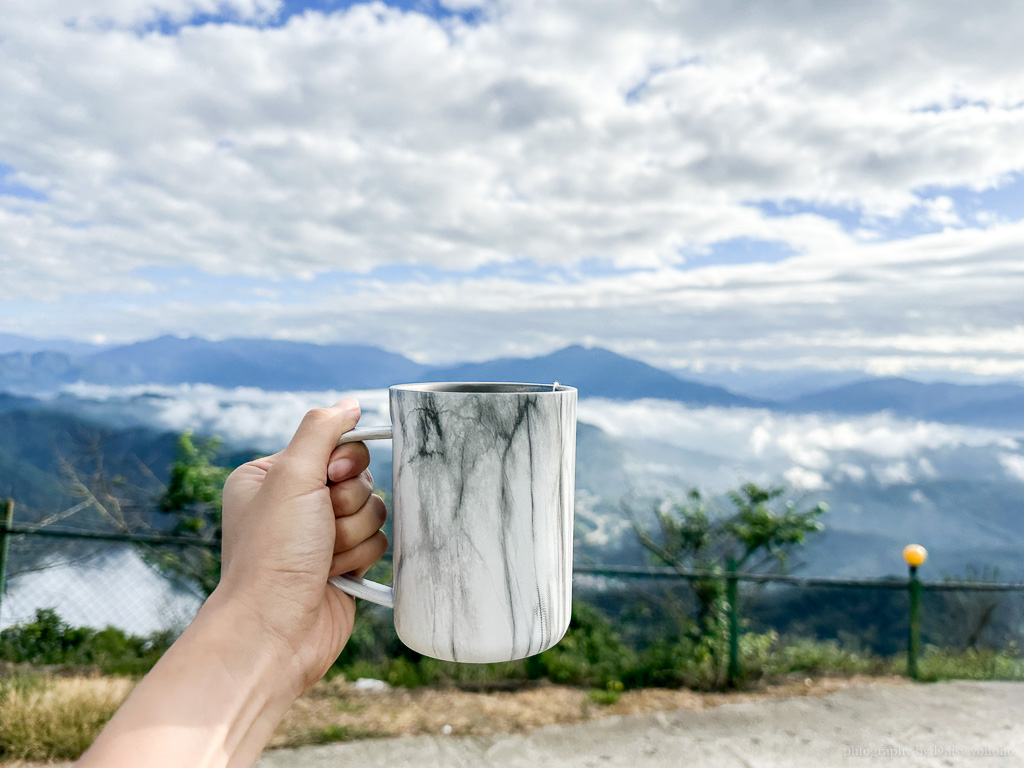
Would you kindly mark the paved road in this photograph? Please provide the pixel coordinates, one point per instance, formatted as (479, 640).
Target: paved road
(943, 724)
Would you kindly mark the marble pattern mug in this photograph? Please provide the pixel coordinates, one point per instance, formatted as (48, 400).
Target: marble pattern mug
(484, 482)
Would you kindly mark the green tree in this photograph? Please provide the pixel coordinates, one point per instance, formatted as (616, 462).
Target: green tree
(193, 499)
(755, 536)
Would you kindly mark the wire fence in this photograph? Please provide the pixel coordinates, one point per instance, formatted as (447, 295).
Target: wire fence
(92, 579)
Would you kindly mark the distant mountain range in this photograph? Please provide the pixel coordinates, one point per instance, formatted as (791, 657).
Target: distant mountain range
(29, 368)
(287, 365)
(959, 498)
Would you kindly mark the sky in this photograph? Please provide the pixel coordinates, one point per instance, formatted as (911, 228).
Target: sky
(699, 185)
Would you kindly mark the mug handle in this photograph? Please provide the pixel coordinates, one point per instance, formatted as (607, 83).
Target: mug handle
(352, 585)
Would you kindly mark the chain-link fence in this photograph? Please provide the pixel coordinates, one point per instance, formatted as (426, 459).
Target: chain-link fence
(95, 580)
(873, 617)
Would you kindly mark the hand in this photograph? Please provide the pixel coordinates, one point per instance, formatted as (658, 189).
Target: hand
(287, 529)
(273, 625)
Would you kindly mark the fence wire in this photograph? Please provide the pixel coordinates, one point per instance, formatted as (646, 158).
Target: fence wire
(98, 580)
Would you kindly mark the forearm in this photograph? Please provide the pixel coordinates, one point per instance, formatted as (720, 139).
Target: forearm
(214, 698)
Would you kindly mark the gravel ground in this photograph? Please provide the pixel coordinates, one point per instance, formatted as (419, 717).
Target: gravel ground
(941, 724)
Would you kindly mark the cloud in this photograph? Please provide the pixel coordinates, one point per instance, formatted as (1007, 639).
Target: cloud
(1013, 464)
(804, 479)
(244, 416)
(614, 147)
(668, 447)
(81, 593)
(808, 451)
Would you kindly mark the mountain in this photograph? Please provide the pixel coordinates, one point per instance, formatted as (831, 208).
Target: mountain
(266, 364)
(765, 384)
(31, 372)
(996, 405)
(12, 343)
(44, 453)
(291, 366)
(277, 365)
(596, 373)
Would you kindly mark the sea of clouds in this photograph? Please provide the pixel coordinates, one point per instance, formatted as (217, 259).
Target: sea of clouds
(807, 451)
(667, 447)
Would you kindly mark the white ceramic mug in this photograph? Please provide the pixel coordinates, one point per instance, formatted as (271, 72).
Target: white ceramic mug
(484, 480)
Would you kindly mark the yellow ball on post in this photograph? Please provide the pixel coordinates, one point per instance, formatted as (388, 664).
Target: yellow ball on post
(914, 554)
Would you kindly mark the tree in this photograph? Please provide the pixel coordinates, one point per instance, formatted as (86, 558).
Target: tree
(754, 537)
(193, 499)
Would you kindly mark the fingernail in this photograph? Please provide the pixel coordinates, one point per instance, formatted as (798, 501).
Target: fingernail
(340, 469)
(348, 404)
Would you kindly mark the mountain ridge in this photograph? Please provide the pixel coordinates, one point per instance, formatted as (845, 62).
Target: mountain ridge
(282, 365)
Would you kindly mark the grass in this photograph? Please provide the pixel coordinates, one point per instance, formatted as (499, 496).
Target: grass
(984, 664)
(46, 718)
(55, 718)
(608, 695)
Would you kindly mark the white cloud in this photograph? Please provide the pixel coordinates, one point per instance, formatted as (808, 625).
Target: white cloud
(852, 472)
(244, 416)
(1013, 464)
(804, 479)
(548, 133)
(894, 473)
(810, 451)
(670, 446)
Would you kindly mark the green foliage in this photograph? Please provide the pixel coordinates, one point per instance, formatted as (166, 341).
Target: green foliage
(193, 499)
(756, 527)
(816, 657)
(607, 695)
(686, 662)
(591, 653)
(48, 639)
(694, 537)
(970, 664)
(333, 733)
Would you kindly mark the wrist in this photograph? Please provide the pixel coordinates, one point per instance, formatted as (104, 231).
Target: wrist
(247, 648)
(213, 700)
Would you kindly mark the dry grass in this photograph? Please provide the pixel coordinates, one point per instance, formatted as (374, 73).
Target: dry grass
(45, 718)
(334, 712)
(57, 718)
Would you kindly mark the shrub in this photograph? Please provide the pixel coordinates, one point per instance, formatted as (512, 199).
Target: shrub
(818, 657)
(972, 664)
(681, 663)
(48, 639)
(589, 654)
(607, 695)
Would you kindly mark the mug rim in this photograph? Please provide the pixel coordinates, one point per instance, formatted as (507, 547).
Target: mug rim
(484, 388)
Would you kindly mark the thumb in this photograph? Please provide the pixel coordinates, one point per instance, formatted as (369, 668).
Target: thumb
(316, 438)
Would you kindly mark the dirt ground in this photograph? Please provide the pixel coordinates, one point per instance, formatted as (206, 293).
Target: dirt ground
(814, 723)
(336, 706)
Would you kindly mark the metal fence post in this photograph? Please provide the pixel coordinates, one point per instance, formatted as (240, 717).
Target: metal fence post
(915, 555)
(732, 597)
(914, 636)
(6, 519)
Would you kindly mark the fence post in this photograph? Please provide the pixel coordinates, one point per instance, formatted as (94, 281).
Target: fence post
(6, 519)
(732, 597)
(915, 555)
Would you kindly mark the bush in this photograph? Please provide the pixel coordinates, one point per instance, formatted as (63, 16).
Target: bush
(591, 653)
(972, 664)
(48, 639)
(680, 663)
(818, 657)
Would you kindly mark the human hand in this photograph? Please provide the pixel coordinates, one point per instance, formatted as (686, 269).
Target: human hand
(286, 529)
(273, 625)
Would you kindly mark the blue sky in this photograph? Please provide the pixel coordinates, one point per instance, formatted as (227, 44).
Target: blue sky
(824, 185)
